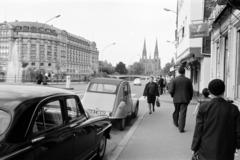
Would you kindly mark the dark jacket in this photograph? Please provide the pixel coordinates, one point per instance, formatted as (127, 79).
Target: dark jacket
(151, 89)
(181, 89)
(161, 83)
(217, 131)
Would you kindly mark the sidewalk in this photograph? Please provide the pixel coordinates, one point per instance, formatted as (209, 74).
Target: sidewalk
(156, 138)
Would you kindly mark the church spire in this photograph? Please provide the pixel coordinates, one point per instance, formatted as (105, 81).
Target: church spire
(156, 56)
(144, 53)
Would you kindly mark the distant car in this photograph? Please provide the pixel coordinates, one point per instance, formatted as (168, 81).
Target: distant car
(111, 97)
(43, 123)
(137, 82)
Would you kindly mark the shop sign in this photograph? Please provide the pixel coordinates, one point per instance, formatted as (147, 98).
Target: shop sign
(199, 30)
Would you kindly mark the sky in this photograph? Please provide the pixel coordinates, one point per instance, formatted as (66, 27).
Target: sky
(125, 23)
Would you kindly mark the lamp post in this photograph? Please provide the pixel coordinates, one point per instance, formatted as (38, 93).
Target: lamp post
(104, 48)
(55, 17)
(169, 10)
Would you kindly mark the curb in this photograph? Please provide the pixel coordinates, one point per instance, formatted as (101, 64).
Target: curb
(120, 147)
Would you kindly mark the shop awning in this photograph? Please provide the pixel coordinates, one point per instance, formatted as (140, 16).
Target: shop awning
(194, 54)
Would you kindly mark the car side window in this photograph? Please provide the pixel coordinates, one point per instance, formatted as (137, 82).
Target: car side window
(72, 108)
(48, 116)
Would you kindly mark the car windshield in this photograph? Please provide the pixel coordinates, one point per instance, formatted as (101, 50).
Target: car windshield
(101, 87)
(5, 119)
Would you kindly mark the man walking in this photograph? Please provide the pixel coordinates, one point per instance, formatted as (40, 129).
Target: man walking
(181, 90)
(217, 131)
(161, 85)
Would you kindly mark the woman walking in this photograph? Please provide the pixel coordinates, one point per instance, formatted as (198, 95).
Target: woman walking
(151, 92)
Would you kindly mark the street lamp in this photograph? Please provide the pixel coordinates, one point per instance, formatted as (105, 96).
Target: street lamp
(55, 17)
(111, 44)
(169, 10)
(104, 48)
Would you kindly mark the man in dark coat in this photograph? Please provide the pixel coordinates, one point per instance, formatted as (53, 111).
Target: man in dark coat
(181, 90)
(161, 85)
(217, 131)
(151, 92)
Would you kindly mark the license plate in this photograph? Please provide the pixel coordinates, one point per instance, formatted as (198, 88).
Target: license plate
(97, 112)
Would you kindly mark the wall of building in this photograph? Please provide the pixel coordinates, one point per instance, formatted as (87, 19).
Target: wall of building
(190, 10)
(204, 73)
(46, 48)
(225, 61)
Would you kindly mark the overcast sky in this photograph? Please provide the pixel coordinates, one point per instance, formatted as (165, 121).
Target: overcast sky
(125, 22)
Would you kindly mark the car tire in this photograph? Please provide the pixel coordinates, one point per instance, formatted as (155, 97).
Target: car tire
(101, 148)
(135, 113)
(122, 124)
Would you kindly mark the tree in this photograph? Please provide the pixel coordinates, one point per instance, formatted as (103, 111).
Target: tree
(121, 68)
(106, 67)
(166, 68)
(136, 68)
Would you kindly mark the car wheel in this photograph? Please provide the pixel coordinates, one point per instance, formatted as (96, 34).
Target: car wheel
(101, 148)
(122, 124)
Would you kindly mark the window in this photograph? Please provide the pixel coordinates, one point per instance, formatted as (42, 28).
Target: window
(72, 108)
(49, 52)
(48, 116)
(100, 87)
(42, 52)
(33, 52)
(238, 67)
(5, 119)
(24, 51)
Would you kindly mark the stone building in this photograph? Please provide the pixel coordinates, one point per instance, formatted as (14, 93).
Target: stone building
(193, 42)
(30, 47)
(152, 66)
(225, 46)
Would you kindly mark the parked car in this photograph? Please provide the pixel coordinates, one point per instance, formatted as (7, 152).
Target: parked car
(111, 97)
(137, 82)
(44, 123)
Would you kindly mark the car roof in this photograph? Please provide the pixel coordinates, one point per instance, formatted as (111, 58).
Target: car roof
(12, 95)
(108, 80)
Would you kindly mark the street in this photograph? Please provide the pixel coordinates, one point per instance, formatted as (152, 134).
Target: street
(116, 135)
(150, 136)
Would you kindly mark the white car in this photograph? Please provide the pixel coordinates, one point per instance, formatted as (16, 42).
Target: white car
(137, 82)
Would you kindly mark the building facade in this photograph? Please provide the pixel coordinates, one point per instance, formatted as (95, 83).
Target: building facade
(152, 66)
(193, 49)
(225, 46)
(30, 47)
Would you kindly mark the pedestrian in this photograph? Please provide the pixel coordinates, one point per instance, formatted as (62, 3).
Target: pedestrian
(217, 130)
(205, 98)
(181, 90)
(160, 85)
(39, 78)
(151, 92)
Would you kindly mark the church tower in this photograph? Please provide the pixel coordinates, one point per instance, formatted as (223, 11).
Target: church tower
(156, 56)
(144, 53)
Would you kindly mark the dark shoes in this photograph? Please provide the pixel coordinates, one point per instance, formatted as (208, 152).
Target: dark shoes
(176, 124)
(181, 131)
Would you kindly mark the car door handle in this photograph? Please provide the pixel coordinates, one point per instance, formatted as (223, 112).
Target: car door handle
(37, 139)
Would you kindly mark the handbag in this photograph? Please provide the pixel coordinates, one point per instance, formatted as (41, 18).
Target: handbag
(195, 156)
(157, 102)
